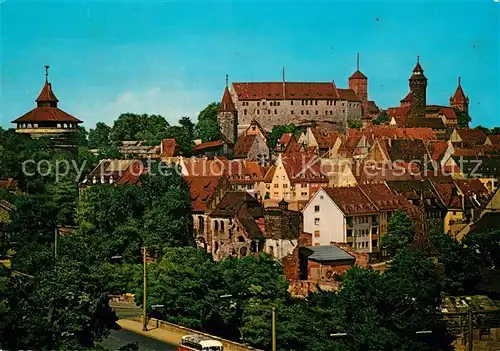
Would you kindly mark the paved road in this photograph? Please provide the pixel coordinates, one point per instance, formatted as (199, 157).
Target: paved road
(122, 337)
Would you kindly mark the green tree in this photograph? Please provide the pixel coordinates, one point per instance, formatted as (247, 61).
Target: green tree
(188, 126)
(130, 126)
(82, 137)
(278, 131)
(182, 137)
(99, 137)
(354, 123)
(207, 127)
(486, 245)
(63, 306)
(463, 118)
(400, 232)
(381, 119)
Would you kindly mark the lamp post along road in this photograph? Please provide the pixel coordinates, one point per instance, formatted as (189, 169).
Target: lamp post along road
(274, 329)
(144, 315)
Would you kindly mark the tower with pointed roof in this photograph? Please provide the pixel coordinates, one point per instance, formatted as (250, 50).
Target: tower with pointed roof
(358, 82)
(227, 116)
(459, 100)
(418, 91)
(47, 120)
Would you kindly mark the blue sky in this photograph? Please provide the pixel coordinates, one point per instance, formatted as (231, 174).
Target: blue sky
(170, 58)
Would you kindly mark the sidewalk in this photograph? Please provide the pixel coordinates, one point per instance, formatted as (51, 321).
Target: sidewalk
(155, 333)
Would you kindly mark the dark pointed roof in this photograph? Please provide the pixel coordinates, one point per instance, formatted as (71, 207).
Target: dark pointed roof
(358, 75)
(47, 110)
(418, 72)
(227, 104)
(459, 96)
(47, 95)
(407, 98)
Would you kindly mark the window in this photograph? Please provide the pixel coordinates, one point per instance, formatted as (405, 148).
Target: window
(276, 194)
(258, 103)
(285, 186)
(316, 221)
(268, 112)
(303, 185)
(278, 103)
(374, 243)
(316, 102)
(276, 185)
(291, 102)
(258, 112)
(316, 208)
(316, 233)
(307, 112)
(291, 112)
(245, 112)
(221, 226)
(275, 111)
(321, 197)
(303, 193)
(302, 112)
(317, 111)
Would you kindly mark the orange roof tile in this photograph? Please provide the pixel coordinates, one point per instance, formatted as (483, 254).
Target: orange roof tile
(227, 104)
(293, 90)
(47, 114)
(201, 189)
(47, 95)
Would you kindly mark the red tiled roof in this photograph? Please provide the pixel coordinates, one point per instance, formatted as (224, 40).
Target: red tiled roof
(372, 107)
(293, 90)
(200, 190)
(358, 75)
(227, 104)
(244, 145)
(133, 172)
(302, 167)
(408, 150)
(47, 95)
(459, 96)
(208, 145)
(470, 187)
(472, 137)
(448, 112)
(434, 123)
(9, 183)
(381, 196)
(407, 98)
(351, 200)
(199, 167)
(47, 114)
(285, 138)
(437, 149)
(494, 138)
(445, 192)
(325, 140)
(168, 147)
(348, 94)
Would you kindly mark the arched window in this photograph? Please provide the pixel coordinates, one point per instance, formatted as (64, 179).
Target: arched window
(243, 251)
(216, 226)
(216, 247)
(241, 239)
(221, 226)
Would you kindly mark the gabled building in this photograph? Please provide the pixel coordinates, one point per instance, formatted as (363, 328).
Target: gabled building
(222, 147)
(48, 120)
(234, 228)
(251, 147)
(468, 138)
(356, 215)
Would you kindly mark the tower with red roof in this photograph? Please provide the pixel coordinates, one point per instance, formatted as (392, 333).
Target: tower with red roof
(358, 82)
(47, 120)
(459, 100)
(227, 116)
(418, 91)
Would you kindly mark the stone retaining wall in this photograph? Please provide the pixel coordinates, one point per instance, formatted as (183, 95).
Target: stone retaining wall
(228, 344)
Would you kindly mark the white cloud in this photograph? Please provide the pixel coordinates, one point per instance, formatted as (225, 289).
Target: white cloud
(171, 103)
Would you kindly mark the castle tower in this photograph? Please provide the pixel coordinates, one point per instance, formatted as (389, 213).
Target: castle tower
(359, 83)
(459, 100)
(418, 91)
(48, 120)
(227, 116)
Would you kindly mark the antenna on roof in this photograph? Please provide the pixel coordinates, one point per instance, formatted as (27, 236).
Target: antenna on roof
(458, 80)
(283, 82)
(357, 61)
(227, 79)
(418, 58)
(47, 73)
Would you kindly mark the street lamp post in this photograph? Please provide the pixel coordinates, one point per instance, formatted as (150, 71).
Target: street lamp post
(274, 329)
(144, 315)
